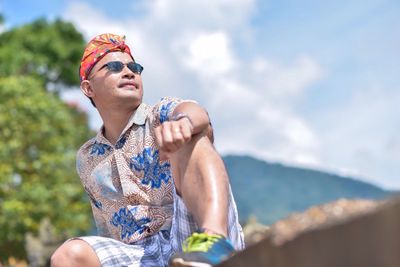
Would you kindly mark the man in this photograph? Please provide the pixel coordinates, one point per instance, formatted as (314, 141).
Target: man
(156, 184)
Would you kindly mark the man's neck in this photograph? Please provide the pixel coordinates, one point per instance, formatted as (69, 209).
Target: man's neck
(114, 123)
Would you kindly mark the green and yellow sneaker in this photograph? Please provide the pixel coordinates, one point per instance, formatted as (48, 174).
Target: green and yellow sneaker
(203, 250)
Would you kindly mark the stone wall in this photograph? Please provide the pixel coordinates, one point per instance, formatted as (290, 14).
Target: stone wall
(346, 233)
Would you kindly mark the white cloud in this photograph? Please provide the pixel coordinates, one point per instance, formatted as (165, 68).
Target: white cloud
(294, 142)
(203, 58)
(208, 54)
(206, 15)
(187, 48)
(258, 107)
(392, 146)
(283, 81)
(90, 21)
(362, 135)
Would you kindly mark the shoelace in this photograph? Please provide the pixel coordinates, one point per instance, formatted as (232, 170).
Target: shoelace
(199, 242)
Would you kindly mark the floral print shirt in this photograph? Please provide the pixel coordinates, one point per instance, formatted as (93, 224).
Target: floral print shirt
(130, 188)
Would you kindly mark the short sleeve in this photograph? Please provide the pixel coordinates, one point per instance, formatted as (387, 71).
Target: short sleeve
(164, 109)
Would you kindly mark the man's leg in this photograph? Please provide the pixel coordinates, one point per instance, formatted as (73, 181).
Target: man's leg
(75, 253)
(201, 180)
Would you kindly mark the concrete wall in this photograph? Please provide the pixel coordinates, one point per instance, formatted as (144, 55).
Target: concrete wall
(367, 239)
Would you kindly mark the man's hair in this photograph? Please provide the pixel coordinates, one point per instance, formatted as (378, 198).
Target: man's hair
(91, 101)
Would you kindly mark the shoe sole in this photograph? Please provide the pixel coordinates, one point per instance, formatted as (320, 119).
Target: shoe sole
(182, 263)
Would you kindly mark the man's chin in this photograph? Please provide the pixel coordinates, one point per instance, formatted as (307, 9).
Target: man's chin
(132, 101)
(132, 95)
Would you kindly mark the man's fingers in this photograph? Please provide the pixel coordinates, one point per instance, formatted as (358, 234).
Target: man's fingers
(171, 135)
(186, 131)
(168, 137)
(158, 134)
(166, 132)
(178, 136)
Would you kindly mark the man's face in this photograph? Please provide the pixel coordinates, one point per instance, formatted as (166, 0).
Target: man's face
(115, 88)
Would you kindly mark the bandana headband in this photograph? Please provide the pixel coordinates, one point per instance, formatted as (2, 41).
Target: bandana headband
(97, 48)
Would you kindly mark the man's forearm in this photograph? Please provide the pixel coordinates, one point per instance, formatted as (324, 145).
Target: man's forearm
(197, 115)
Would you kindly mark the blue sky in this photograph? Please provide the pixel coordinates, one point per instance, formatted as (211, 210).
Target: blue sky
(306, 83)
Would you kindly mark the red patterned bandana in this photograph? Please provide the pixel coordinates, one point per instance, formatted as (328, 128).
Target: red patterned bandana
(97, 48)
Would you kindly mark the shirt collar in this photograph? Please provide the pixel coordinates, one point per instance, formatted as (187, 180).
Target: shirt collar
(138, 118)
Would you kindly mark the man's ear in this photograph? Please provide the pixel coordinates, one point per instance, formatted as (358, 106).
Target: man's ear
(87, 88)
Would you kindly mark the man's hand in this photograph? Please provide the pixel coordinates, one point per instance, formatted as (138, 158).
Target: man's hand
(172, 135)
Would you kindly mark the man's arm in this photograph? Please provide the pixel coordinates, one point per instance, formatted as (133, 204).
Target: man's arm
(188, 119)
(196, 114)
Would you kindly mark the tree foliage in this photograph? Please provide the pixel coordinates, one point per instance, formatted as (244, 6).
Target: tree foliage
(39, 134)
(49, 51)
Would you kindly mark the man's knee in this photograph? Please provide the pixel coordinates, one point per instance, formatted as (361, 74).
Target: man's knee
(71, 253)
(200, 143)
(210, 133)
(58, 258)
(205, 138)
(187, 159)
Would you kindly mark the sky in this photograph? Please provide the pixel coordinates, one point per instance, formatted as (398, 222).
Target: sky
(305, 83)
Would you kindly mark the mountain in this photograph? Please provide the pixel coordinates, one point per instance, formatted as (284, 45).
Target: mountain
(272, 191)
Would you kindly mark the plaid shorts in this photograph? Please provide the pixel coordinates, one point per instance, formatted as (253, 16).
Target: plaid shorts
(157, 249)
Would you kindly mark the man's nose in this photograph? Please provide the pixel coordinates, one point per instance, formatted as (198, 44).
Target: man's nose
(127, 73)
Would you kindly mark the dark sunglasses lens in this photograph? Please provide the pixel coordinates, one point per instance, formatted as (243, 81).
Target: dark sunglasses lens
(115, 66)
(135, 67)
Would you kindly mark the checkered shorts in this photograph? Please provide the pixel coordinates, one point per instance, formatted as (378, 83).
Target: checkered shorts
(157, 249)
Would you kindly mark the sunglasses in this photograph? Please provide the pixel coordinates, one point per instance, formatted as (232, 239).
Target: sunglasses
(118, 66)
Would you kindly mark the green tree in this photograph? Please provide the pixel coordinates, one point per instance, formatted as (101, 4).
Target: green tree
(39, 134)
(49, 51)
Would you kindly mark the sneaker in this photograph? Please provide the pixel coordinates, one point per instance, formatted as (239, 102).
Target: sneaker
(203, 250)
